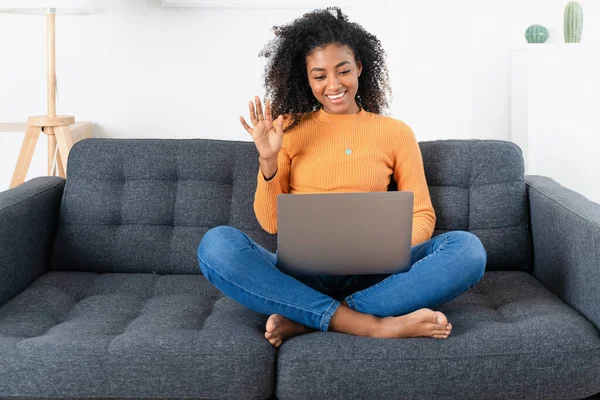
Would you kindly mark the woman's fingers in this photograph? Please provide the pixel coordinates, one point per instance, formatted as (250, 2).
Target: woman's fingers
(247, 127)
(259, 111)
(253, 117)
(268, 116)
(279, 125)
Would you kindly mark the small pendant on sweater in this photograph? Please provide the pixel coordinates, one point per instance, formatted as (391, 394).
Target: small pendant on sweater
(348, 151)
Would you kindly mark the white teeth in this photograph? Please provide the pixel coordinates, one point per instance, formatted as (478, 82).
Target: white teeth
(336, 97)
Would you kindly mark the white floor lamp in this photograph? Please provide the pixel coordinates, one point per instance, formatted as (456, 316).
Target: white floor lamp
(56, 127)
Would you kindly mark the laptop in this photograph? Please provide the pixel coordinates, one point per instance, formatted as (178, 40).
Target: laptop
(344, 233)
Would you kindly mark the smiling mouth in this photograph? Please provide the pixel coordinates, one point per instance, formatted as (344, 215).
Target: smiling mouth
(336, 98)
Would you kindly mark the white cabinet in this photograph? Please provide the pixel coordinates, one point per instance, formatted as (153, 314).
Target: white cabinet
(555, 113)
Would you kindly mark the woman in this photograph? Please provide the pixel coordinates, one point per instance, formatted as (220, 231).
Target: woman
(328, 77)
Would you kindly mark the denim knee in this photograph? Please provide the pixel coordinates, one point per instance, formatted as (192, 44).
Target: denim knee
(215, 245)
(475, 256)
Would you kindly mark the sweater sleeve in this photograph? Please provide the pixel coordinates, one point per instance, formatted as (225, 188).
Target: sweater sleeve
(265, 198)
(410, 176)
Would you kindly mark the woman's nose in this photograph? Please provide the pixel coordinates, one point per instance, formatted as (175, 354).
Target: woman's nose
(333, 83)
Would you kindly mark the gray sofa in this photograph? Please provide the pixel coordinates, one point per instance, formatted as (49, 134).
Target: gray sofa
(101, 295)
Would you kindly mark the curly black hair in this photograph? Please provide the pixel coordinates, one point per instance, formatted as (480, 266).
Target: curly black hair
(286, 80)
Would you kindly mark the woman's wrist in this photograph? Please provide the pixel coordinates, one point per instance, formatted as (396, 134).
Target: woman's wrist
(268, 167)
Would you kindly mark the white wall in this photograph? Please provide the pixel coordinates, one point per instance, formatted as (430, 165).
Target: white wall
(141, 70)
(555, 113)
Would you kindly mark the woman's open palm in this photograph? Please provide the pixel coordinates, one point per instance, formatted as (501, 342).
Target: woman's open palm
(266, 133)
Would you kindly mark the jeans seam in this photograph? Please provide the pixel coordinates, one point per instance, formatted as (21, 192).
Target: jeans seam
(393, 275)
(326, 317)
(351, 302)
(256, 294)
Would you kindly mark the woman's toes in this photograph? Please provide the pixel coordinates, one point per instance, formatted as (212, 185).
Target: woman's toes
(272, 322)
(441, 318)
(439, 336)
(279, 328)
(278, 343)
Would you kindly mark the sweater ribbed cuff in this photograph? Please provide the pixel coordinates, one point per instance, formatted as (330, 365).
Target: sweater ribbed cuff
(266, 201)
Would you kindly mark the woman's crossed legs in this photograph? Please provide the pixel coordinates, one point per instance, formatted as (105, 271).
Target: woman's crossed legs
(394, 306)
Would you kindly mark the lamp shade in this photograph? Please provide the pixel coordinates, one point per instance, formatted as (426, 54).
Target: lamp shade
(59, 6)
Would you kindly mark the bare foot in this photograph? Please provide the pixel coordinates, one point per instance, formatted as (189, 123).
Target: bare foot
(280, 328)
(420, 323)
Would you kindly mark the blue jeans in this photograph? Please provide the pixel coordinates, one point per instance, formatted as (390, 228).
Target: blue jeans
(441, 269)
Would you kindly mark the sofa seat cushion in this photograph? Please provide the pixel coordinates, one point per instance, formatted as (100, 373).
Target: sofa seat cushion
(511, 339)
(80, 334)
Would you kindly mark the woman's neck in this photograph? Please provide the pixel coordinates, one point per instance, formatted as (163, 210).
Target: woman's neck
(354, 109)
(360, 117)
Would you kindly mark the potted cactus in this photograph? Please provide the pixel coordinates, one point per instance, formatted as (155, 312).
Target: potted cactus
(536, 34)
(573, 22)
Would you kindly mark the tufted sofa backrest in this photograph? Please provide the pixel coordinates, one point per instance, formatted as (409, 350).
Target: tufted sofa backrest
(143, 205)
(479, 186)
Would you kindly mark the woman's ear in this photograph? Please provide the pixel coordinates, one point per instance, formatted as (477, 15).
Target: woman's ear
(359, 67)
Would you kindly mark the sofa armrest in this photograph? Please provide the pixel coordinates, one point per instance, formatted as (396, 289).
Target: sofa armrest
(28, 222)
(566, 244)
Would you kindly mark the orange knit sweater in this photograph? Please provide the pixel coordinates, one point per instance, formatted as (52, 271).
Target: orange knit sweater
(313, 160)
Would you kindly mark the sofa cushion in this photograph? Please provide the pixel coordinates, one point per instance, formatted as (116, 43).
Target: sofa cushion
(511, 339)
(80, 334)
(143, 205)
(479, 186)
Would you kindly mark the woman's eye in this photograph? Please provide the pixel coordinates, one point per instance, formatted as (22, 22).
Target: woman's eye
(344, 72)
(319, 77)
